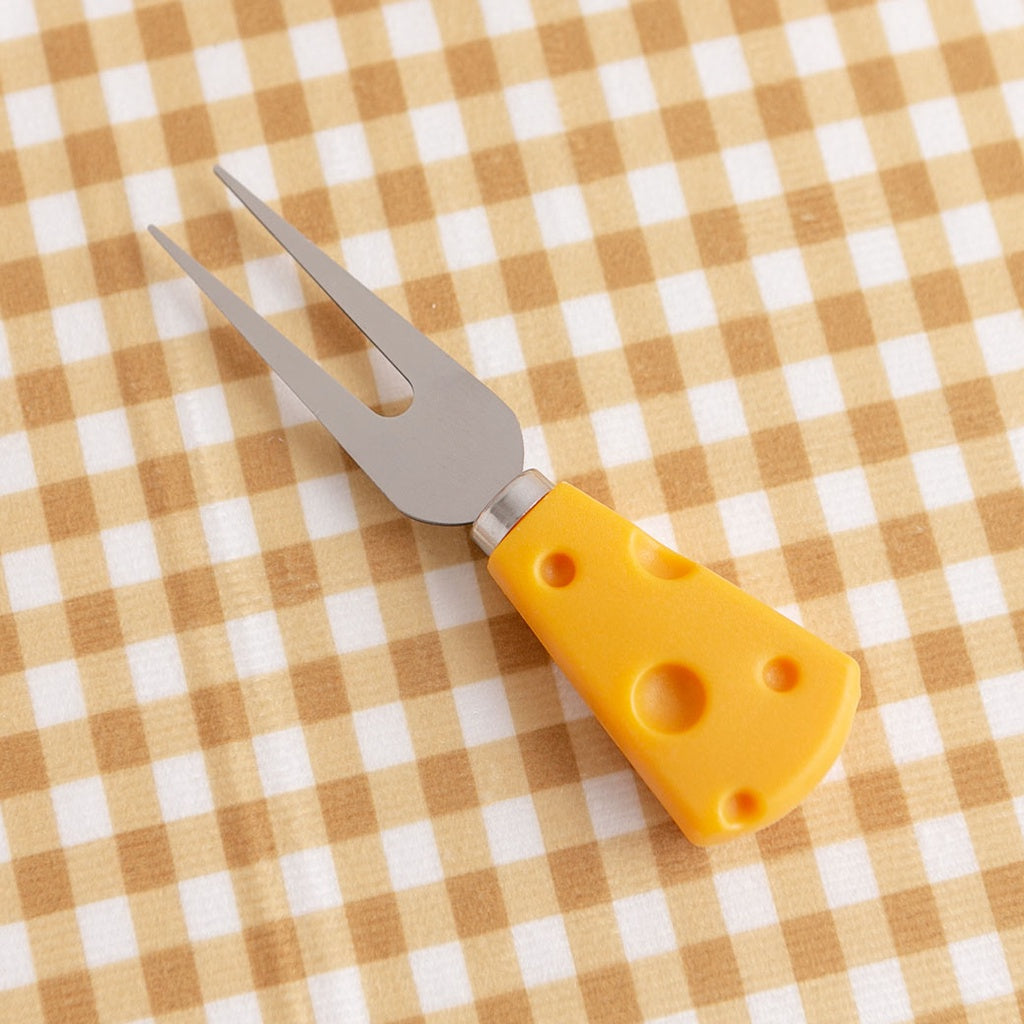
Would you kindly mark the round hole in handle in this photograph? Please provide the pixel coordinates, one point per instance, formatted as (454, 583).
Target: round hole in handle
(781, 674)
(741, 807)
(656, 559)
(557, 569)
(669, 698)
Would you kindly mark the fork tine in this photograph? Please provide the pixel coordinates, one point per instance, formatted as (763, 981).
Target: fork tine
(411, 353)
(354, 425)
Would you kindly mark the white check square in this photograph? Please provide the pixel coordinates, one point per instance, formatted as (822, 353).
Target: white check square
(31, 576)
(909, 365)
(721, 66)
(907, 25)
(752, 172)
(81, 330)
(494, 347)
(1001, 338)
(57, 222)
(153, 198)
(533, 110)
(504, 16)
(411, 855)
(19, 471)
(16, 967)
(998, 15)
(274, 284)
(542, 949)
(877, 257)
(878, 613)
(355, 621)
(562, 216)
(621, 435)
(845, 149)
(1003, 700)
(628, 89)
(657, 194)
(338, 996)
(106, 441)
(590, 321)
(310, 880)
(846, 873)
(814, 388)
(972, 234)
(81, 811)
(108, 935)
(483, 711)
(128, 93)
(513, 831)
(156, 669)
(411, 28)
(282, 761)
(177, 309)
(749, 524)
(645, 925)
(942, 476)
(717, 411)
(980, 967)
(32, 116)
(814, 45)
(976, 590)
(131, 554)
(745, 898)
(454, 595)
(440, 976)
(327, 506)
(939, 127)
(911, 729)
(56, 693)
(687, 302)
(209, 907)
(880, 993)
(344, 154)
(182, 786)
(256, 644)
(946, 848)
(223, 71)
(846, 499)
(19, 20)
(229, 529)
(782, 279)
(466, 238)
(371, 258)
(438, 129)
(383, 736)
(613, 804)
(317, 49)
(776, 1006)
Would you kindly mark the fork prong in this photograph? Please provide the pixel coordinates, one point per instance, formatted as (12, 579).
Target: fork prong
(411, 352)
(352, 423)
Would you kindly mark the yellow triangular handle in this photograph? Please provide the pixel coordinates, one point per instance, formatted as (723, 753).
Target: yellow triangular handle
(729, 711)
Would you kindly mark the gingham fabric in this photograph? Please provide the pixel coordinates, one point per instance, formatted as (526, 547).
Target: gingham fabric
(749, 271)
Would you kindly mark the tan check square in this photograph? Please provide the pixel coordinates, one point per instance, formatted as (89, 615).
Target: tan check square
(749, 271)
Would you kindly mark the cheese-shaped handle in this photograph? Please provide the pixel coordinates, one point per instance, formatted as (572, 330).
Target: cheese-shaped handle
(730, 712)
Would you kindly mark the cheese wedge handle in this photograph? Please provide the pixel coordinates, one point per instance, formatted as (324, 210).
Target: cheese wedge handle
(730, 712)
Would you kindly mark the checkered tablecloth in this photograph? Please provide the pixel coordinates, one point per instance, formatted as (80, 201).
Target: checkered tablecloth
(751, 272)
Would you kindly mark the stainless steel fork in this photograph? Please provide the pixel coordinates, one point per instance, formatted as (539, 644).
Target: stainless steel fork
(729, 711)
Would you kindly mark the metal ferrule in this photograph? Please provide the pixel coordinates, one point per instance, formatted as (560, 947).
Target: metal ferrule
(507, 507)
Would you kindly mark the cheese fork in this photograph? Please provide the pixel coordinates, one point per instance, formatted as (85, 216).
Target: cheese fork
(730, 712)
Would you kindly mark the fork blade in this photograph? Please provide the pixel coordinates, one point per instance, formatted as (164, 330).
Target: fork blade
(414, 355)
(351, 422)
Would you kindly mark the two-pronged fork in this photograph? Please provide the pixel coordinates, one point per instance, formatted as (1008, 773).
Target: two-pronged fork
(729, 711)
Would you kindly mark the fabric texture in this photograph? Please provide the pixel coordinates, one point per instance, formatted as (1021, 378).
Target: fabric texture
(749, 271)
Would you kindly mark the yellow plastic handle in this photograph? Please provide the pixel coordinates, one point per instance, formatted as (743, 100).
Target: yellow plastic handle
(729, 711)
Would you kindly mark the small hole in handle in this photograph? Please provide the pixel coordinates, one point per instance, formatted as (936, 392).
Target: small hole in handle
(557, 569)
(781, 674)
(741, 807)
